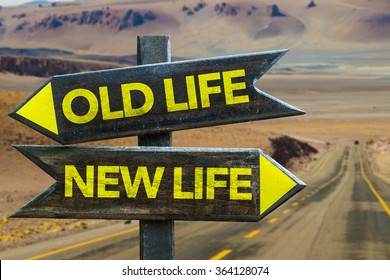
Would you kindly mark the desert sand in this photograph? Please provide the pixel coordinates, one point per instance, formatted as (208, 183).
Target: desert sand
(336, 113)
(337, 71)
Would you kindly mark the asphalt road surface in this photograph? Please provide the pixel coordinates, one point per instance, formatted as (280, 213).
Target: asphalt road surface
(342, 214)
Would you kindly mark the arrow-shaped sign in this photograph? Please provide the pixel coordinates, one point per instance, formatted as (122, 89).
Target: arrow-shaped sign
(153, 98)
(158, 183)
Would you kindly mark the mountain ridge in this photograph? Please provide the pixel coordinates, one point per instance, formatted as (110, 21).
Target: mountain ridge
(199, 28)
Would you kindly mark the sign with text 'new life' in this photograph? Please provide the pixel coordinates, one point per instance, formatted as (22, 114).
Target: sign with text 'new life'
(158, 183)
(153, 98)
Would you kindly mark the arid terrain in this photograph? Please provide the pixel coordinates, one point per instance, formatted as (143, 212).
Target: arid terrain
(337, 71)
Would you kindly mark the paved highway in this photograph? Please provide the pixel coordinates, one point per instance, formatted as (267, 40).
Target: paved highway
(343, 214)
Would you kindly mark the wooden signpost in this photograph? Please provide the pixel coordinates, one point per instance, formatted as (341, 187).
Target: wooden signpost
(157, 238)
(157, 184)
(153, 98)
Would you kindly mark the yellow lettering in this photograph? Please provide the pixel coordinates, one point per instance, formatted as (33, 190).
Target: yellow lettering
(103, 181)
(230, 87)
(198, 182)
(107, 114)
(86, 187)
(191, 90)
(141, 175)
(178, 185)
(212, 183)
(235, 183)
(92, 101)
(204, 88)
(172, 106)
(127, 104)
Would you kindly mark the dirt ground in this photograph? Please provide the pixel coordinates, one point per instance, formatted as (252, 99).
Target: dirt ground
(337, 109)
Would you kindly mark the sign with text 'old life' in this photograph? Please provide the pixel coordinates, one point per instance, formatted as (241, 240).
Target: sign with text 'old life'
(158, 183)
(153, 98)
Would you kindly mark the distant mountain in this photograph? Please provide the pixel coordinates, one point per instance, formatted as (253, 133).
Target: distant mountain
(198, 28)
(37, 3)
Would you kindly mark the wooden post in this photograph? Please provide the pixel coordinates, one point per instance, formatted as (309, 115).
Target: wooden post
(156, 237)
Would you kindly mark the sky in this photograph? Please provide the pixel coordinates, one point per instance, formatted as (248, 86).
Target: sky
(18, 2)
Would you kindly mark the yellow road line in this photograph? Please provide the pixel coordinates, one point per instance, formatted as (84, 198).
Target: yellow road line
(339, 173)
(286, 211)
(321, 167)
(252, 234)
(57, 251)
(221, 255)
(273, 220)
(383, 203)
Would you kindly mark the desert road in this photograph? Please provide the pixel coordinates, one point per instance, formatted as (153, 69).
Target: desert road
(343, 214)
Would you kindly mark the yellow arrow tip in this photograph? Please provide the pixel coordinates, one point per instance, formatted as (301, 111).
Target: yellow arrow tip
(275, 183)
(40, 109)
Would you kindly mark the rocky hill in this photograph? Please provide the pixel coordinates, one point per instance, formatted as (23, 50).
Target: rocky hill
(286, 150)
(105, 17)
(46, 67)
(122, 19)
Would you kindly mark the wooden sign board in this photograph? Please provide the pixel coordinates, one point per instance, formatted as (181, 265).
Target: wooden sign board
(153, 98)
(151, 183)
